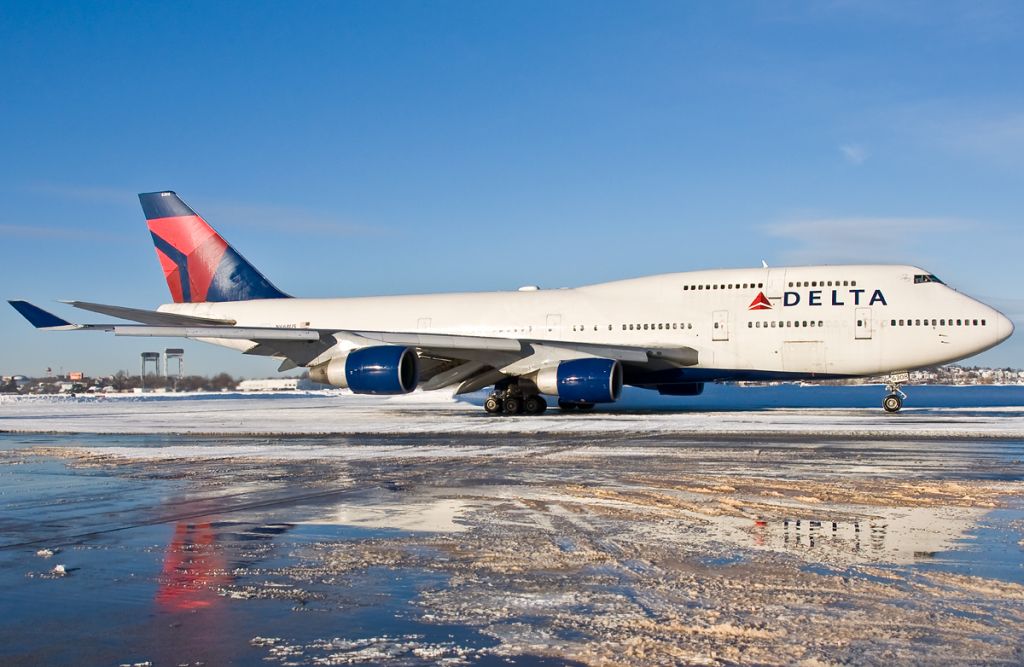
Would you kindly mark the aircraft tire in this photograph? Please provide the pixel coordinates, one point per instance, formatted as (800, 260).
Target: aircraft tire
(513, 405)
(534, 405)
(566, 407)
(585, 407)
(892, 403)
(492, 405)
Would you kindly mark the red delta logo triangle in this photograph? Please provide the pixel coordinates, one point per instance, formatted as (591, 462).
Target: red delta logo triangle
(760, 302)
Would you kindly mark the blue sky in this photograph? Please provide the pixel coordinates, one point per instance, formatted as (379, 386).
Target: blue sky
(358, 148)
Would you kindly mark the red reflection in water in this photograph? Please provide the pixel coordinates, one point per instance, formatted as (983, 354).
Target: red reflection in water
(194, 567)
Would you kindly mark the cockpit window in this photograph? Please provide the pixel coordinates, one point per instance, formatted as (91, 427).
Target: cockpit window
(926, 278)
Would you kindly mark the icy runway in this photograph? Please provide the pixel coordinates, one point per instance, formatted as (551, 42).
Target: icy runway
(335, 412)
(772, 536)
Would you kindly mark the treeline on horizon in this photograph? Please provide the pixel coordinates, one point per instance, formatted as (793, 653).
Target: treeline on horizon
(122, 381)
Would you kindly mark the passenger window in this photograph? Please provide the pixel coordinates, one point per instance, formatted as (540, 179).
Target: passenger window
(975, 322)
(860, 323)
(983, 323)
(942, 323)
(853, 283)
(689, 326)
(893, 323)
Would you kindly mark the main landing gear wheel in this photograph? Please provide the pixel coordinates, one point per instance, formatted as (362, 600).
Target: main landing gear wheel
(892, 403)
(492, 405)
(534, 405)
(513, 405)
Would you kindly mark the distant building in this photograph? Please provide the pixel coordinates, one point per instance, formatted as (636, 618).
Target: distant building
(277, 384)
(76, 375)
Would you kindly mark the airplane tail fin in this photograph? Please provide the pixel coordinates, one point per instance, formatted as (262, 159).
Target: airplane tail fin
(199, 265)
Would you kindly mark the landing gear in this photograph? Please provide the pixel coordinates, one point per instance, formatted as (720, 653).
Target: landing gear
(510, 399)
(513, 405)
(534, 405)
(893, 401)
(492, 405)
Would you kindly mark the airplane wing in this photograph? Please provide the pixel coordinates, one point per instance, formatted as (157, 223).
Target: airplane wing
(146, 316)
(473, 362)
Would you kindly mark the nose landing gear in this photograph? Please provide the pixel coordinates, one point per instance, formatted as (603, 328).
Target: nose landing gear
(893, 402)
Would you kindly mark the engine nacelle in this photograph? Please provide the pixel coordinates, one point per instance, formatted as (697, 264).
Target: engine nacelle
(381, 369)
(582, 381)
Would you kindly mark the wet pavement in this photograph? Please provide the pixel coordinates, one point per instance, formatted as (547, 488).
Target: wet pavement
(501, 549)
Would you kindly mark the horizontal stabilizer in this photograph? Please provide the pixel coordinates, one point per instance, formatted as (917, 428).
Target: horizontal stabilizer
(38, 317)
(153, 317)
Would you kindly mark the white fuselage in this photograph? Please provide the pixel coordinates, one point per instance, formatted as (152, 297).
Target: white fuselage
(856, 320)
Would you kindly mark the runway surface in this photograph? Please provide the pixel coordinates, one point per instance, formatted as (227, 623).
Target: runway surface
(853, 542)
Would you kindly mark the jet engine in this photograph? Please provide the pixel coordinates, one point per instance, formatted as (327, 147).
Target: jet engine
(582, 381)
(381, 369)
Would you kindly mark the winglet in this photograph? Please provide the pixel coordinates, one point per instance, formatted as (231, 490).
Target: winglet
(38, 317)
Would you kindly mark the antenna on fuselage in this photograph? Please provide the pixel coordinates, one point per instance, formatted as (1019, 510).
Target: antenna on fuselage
(764, 264)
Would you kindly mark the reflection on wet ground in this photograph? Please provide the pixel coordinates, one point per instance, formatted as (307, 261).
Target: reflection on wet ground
(493, 550)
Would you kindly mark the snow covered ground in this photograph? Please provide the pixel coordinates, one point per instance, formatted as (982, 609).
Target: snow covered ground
(336, 412)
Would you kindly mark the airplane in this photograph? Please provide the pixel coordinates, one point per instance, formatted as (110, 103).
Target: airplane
(671, 333)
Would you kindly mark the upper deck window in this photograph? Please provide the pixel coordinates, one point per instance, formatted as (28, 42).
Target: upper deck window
(926, 278)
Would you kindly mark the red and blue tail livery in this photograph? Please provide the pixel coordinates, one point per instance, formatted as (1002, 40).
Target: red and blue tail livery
(199, 265)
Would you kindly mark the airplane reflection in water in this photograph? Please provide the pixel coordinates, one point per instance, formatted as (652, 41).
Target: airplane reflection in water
(197, 565)
(896, 536)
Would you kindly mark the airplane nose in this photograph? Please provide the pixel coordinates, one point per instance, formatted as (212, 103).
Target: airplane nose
(1004, 327)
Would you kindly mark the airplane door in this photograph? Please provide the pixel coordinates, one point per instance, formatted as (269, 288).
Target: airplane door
(776, 283)
(862, 326)
(720, 325)
(423, 323)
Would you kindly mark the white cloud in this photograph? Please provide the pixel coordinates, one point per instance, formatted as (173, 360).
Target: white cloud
(860, 239)
(854, 153)
(992, 132)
